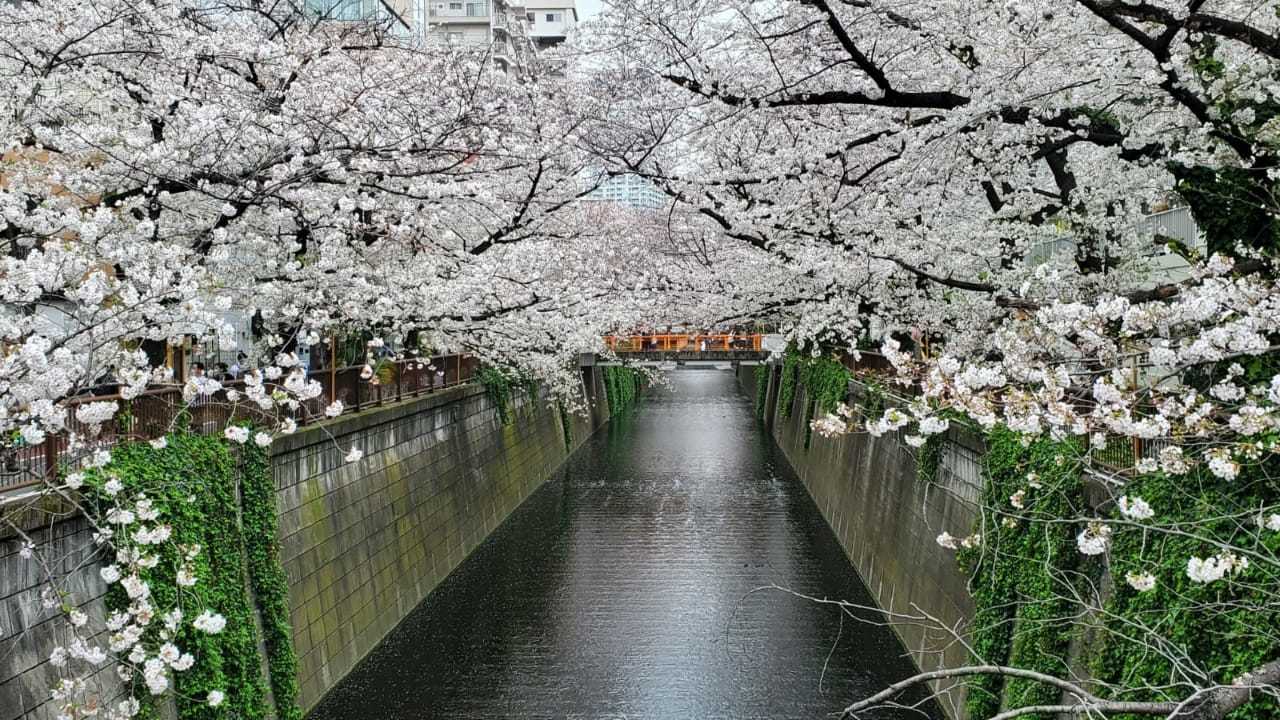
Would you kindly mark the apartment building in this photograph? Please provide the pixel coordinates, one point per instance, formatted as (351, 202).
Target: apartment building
(632, 191)
(550, 21)
(509, 30)
(499, 27)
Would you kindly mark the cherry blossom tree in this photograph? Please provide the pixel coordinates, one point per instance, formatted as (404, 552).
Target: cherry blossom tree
(964, 183)
(960, 182)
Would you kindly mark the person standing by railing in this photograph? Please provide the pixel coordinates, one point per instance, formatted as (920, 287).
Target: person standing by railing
(198, 394)
(239, 366)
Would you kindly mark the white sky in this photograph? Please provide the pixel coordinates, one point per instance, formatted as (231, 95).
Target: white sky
(587, 9)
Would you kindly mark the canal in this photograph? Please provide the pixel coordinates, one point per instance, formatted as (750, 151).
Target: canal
(623, 589)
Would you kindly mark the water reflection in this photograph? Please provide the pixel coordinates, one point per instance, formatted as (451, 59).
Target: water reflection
(622, 589)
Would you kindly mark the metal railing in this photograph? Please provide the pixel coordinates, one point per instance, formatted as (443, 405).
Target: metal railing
(682, 343)
(155, 413)
(1122, 454)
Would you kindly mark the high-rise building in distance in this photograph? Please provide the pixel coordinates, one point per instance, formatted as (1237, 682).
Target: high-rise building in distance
(630, 190)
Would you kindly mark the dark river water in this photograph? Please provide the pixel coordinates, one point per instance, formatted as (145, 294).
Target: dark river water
(623, 588)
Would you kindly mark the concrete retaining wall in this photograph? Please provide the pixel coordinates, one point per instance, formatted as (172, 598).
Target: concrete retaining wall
(887, 521)
(362, 543)
(29, 630)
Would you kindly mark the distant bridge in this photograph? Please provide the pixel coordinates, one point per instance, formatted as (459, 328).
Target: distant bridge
(683, 349)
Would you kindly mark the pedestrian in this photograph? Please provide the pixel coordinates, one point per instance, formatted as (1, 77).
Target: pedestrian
(239, 366)
(199, 381)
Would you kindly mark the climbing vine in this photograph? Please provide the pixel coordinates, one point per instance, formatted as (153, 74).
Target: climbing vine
(872, 403)
(1016, 559)
(826, 384)
(762, 389)
(787, 386)
(825, 379)
(267, 578)
(621, 387)
(497, 384)
(929, 458)
(1228, 628)
(566, 425)
(189, 487)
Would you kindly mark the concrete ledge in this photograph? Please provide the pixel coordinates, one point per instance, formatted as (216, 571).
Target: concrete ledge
(373, 416)
(32, 509)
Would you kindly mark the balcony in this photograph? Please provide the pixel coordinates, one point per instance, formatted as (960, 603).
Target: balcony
(459, 12)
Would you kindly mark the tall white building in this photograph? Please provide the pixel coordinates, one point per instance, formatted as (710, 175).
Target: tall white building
(630, 190)
(550, 21)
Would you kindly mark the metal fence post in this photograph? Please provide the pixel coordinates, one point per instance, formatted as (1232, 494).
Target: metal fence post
(333, 370)
(50, 458)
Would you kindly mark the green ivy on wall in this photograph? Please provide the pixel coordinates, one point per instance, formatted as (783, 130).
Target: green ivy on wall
(787, 386)
(826, 385)
(1019, 610)
(1022, 567)
(929, 458)
(566, 425)
(266, 577)
(873, 402)
(762, 389)
(1223, 644)
(621, 387)
(194, 483)
(825, 380)
(497, 384)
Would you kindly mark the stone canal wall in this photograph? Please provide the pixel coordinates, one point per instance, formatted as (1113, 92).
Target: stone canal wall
(364, 543)
(887, 519)
(28, 629)
(361, 543)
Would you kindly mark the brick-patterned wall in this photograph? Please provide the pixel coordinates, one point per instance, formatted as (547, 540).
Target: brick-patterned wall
(364, 543)
(29, 630)
(887, 521)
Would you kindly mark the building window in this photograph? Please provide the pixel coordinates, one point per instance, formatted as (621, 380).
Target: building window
(455, 6)
(531, 17)
(553, 17)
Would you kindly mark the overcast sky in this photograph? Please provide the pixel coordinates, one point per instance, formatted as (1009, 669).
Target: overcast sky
(587, 9)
